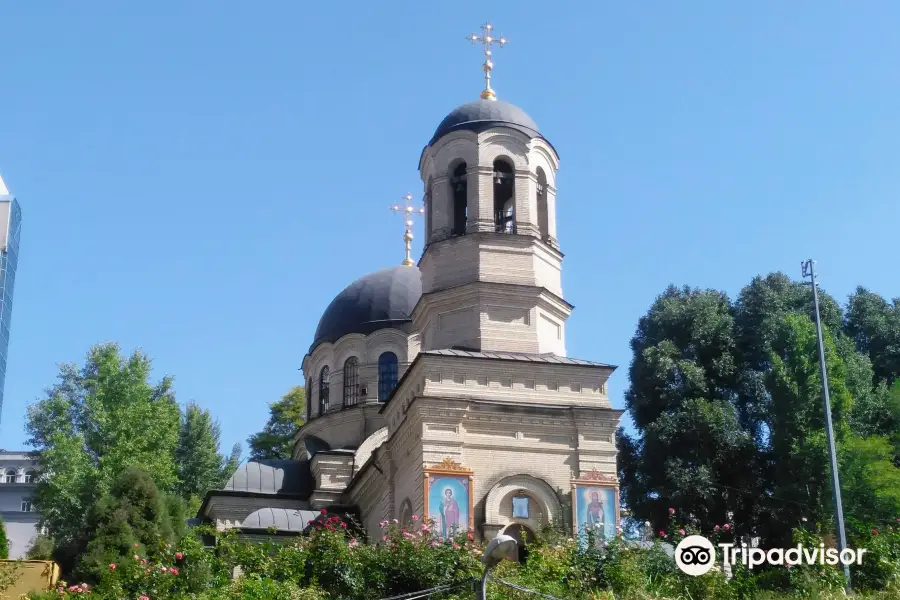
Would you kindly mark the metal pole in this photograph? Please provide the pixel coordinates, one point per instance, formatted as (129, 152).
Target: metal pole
(482, 589)
(809, 270)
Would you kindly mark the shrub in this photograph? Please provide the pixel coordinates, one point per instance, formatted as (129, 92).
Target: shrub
(4, 542)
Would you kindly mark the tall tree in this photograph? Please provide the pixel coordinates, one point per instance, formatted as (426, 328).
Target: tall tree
(200, 466)
(874, 324)
(276, 440)
(689, 445)
(97, 421)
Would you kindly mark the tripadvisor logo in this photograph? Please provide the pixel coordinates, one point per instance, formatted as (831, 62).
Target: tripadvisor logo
(695, 555)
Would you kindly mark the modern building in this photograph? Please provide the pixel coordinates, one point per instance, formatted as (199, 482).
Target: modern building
(18, 471)
(10, 232)
(444, 389)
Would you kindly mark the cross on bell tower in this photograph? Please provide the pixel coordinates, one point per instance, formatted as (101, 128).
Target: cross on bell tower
(487, 39)
(409, 212)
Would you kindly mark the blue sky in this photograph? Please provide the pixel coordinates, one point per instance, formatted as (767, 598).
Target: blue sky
(199, 179)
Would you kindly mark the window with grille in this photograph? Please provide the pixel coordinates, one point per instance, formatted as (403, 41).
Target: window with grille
(351, 381)
(387, 375)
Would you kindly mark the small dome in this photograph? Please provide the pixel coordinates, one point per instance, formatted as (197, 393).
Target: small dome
(379, 300)
(283, 519)
(271, 477)
(483, 114)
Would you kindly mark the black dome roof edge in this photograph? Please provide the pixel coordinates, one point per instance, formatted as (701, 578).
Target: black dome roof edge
(369, 327)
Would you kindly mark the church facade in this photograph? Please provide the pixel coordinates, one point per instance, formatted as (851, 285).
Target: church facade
(444, 389)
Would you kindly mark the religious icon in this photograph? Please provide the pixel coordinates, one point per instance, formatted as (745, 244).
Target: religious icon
(520, 507)
(596, 513)
(448, 498)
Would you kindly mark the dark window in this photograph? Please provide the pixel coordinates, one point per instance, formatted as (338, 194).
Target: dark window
(387, 375)
(26, 505)
(323, 390)
(543, 215)
(351, 381)
(309, 398)
(504, 198)
(460, 188)
(10, 476)
(29, 476)
(428, 209)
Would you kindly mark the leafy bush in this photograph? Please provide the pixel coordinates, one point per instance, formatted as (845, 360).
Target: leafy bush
(4, 542)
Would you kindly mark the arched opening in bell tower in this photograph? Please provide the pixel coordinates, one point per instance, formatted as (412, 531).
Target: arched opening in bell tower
(460, 189)
(543, 216)
(504, 197)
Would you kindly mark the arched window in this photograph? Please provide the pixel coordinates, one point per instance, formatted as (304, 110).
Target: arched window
(29, 476)
(309, 398)
(26, 506)
(387, 375)
(429, 207)
(504, 198)
(351, 381)
(460, 188)
(323, 390)
(543, 216)
(10, 476)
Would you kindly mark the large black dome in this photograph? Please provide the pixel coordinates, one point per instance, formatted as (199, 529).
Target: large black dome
(379, 300)
(483, 114)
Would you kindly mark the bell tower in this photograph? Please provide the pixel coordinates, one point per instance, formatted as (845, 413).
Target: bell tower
(491, 266)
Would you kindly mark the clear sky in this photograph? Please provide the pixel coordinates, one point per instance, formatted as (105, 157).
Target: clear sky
(199, 179)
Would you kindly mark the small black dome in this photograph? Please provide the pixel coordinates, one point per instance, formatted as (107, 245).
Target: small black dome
(483, 114)
(379, 300)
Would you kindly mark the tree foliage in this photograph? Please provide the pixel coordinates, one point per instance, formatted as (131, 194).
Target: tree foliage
(103, 419)
(726, 399)
(200, 466)
(4, 541)
(276, 440)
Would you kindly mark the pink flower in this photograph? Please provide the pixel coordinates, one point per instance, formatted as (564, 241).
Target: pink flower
(179, 555)
(415, 517)
(384, 538)
(148, 571)
(323, 512)
(143, 561)
(726, 526)
(671, 512)
(163, 569)
(395, 521)
(112, 566)
(84, 587)
(716, 528)
(662, 534)
(144, 597)
(173, 571)
(137, 545)
(343, 525)
(455, 546)
(352, 540)
(383, 524)
(470, 537)
(136, 557)
(72, 588)
(681, 531)
(875, 531)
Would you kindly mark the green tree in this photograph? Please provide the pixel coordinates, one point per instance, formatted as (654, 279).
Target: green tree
(874, 324)
(41, 548)
(131, 515)
(97, 421)
(689, 445)
(285, 417)
(200, 466)
(4, 541)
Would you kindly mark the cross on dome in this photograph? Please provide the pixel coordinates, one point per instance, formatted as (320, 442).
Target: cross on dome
(487, 39)
(409, 212)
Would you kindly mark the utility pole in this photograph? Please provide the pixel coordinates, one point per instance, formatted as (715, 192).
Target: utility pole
(809, 270)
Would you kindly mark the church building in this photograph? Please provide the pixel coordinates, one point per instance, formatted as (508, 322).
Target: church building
(444, 389)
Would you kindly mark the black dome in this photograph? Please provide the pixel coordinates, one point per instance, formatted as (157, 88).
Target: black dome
(483, 114)
(379, 300)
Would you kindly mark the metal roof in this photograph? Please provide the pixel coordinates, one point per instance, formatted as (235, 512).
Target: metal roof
(549, 358)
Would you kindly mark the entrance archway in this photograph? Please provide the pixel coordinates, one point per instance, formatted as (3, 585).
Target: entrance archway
(523, 536)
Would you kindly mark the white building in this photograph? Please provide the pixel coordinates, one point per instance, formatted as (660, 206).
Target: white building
(17, 482)
(456, 367)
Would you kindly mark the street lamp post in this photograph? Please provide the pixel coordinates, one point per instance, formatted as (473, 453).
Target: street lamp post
(502, 547)
(809, 270)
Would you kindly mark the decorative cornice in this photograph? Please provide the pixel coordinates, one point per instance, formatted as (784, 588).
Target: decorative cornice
(597, 476)
(449, 465)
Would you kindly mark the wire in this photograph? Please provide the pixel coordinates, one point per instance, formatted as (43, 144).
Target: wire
(430, 591)
(523, 589)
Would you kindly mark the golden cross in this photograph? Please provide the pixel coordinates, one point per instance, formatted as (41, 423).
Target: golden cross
(409, 212)
(487, 39)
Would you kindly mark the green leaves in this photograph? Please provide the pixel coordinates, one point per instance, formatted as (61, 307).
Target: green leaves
(276, 440)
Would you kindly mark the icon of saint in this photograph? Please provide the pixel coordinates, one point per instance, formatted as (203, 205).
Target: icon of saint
(449, 514)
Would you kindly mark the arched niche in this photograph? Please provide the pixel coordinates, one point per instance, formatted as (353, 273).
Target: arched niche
(543, 504)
